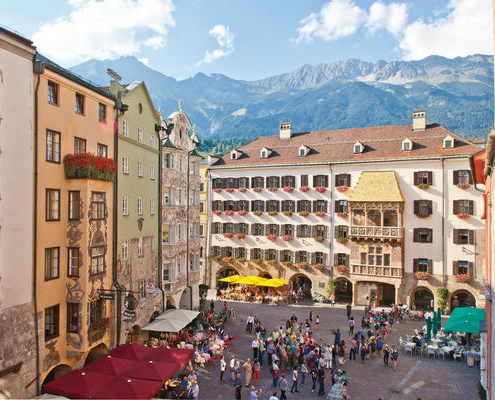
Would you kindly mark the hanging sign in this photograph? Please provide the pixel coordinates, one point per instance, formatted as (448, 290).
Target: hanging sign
(128, 313)
(107, 296)
(150, 288)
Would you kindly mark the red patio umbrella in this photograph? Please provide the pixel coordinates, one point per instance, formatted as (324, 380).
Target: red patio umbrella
(131, 351)
(129, 388)
(78, 384)
(182, 356)
(110, 365)
(154, 370)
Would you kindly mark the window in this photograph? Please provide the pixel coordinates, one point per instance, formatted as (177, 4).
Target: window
(463, 207)
(423, 207)
(304, 231)
(167, 160)
(142, 290)
(462, 177)
(72, 317)
(125, 165)
(218, 183)
(102, 150)
(341, 206)
(202, 187)
(242, 228)
(257, 205)
(463, 267)
(319, 258)
(79, 145)
(201, 207)
(302, 152)
(166, 234)
(272, 229)
(102, 112)
(52, 146)
(180, 164)
(343, 259)
(228, 227)
(289, 181)
(406, 145)
(229, 205)
(244, 182)
(263, 153)
(167, 196)
(73, 261)
(125, 205)
(341, 231)
(152, 141)
(216, 227)
(79, 104)
(270, 254)
(301, 256)
(358, 148)
(423, 235)
(257, 229)
(343, 180)
(273, 181)
(52, 263)
(140, 169)
(202, 230)
(255, 254)
(52, 204)
(272, 205)
(152, 206)
(288, 229)
(303, 205)
(448, 143)
(152, 172)
(74, 205)
(304, 180)
(125, 128)
(167, 272)
(98, 210)
(320, 230)
(232, 183)
(125, 250)
(422, 265)
(423, 178)
(140, 252)
(286, 256)
(97, 260)
(52, 322)
(95, 311)
(320, 206)
(140, 205)
(257, 182)
(140, 135)
(463, 236)
(52, 93)
(386, 260)
(288, 205)
(320, 181)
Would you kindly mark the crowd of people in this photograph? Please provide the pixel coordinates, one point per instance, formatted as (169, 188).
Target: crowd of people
(260, 294)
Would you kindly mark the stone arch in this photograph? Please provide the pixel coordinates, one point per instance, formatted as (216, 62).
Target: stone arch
(170, 303)
(154, 315)
(266, 275)
(462, 298)
(95, 353)
(301, 281)
(55, 373)
(343, 290)
(421, 297)
(185, 299)
(223, 273)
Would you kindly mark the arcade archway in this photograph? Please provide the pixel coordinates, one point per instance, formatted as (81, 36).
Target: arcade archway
(265, 275)
(170, 304)
(95, 353)
(185, 299)
(343, 291)
(462, 298)
(422, 299)
(375, 294)
(224, 273)
(55, 373)
(301, 284)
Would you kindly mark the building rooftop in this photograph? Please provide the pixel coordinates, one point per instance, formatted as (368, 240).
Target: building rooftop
(376, 186)
(380, 143)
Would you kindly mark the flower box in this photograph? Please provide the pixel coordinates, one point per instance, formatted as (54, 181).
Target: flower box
(287, 238)
(257, 213)
(463, 186)
(422, 276)
(423, 186)
(227, 260)
(272, 262)
(341, 269)
(463, 216)
(303, 213)
(271, 237)
(319, 239)
(464, 278)
(272, 189)
(288, 189)
(320, 189)
(342, 240)
(288, 213)
(319, 267)
(257, 190)
(229, 212)
(304, 189)
(302, 265)
(228, 235)
(100, 325)
(229, 190)
(89, 166)
(241, 212)
(422, 215)
(272, 213)
(286, 263)
(320, 214)
(342, 215)
(215, 258)
(240, 236)
(342, 189)
(257, 261)
(241, 259)
(216, 212)
(217, 190)
(241, 190)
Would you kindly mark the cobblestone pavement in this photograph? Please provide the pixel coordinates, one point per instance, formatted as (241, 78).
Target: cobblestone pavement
(416, 377)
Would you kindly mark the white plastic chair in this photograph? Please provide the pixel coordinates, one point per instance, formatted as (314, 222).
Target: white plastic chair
(402, 344)
(431, 351)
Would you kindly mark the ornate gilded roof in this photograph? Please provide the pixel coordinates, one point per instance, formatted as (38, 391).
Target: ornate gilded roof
(377, 186)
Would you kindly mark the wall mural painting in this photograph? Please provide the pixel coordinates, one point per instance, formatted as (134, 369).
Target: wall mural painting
(52, 358)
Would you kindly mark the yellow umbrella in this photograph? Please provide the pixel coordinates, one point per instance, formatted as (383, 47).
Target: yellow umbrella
(251, 280)
(270, 283)
(282, 281)
(231, 278)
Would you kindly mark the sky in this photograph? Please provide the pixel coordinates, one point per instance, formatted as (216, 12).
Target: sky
(250, 39)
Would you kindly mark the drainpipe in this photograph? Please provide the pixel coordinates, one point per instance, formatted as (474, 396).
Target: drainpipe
(188, 284)
(114, 230)
(208, 240)
(159, 204)
(332, 220)
(444, 267)
(38, 69)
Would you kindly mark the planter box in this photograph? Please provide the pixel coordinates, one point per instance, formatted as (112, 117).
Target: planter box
(288, 189)
(320, 189)
(342, 240)
(463, 278)
(342, 269)
(288, 213)
(229, 212)
(257, 190)
(241, 212)
(342, 189)
(242, 190)
(342, 215)
(303, 213)
(302, 265)
(319, 239)
(320, 214)
(240, 236)
(217, 190)
(319, 267)
(423, 186)
(228, 235)
(229, 190)
(422, 276)
(287, 238)
(257, 213)
(218, 213)
(304, 189)
(272, 213)
(89, 166)
(463, 186)
(272, 189)
(462, 216)
(271, 237)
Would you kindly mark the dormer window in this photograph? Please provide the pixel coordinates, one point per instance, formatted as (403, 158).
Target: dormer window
(406, 145)
(233, 155)
(358, 148)
(265, 152)
(448, 142)
(303, 151)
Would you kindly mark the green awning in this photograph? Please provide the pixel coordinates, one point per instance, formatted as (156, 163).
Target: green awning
(465, 319)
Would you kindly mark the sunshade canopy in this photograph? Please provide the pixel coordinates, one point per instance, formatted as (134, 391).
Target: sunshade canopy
(180, 356)
(283, 281)
(231, 278)
(171, 321)
(78, 384)
(110, 365)
(251, 280)
(153, 370)
(129, 388)
(129, 351)
(270, 283)
(465, 319)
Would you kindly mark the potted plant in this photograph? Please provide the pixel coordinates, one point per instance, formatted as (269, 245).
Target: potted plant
(228, 235)
(241, 212)
(342, 215)
(288, 189)
(217, 190)
(304, 189)
(287, 238)
(89, 166)
(257, 213)
(286, 263)
(342, 189)
(272, 213)
(422, 276)
(241, 190)
(229, 190)
(320, 214)
(272, 189)
(422, 215)
(463, 186)
(341, 269)
(302, 265)
(423, 186)
(227, 260)
(464, 278)
(303, 213)
(102, 324)
(240, 236)
(319, 267)
(271, 236)
(320, 189)
(332, 286)
(342, 240)
(241, 259)
(257, 261)
(257, 189)
(229, 212)
(272, 262)
(319, 239)
(215, 258)
(463, 216)
(288, 213)
(217, 212)
(443, 297)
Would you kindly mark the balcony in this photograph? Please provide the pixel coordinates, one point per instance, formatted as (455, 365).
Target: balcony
(381, 271)
(89, 166)
(376, 232)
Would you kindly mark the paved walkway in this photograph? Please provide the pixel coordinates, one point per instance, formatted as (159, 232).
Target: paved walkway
(416, 377)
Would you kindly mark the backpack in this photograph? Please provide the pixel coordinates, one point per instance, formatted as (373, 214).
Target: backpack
(394, 353)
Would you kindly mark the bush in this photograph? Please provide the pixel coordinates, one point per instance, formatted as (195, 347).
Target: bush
(443, 297)
(332, 285)
(481, 391)
(203, 291)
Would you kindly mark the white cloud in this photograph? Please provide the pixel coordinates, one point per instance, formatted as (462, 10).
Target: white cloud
(225, 39)
(391, 17)
(106, 29)
(144, 60)
(336, 19)
(466, 30)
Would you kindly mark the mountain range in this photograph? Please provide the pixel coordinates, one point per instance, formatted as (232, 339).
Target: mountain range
(456, 93)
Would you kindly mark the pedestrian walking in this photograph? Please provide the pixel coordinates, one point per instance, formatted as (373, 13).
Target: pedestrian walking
(232, 367)
(256, 371)
(321, 381)
(336, 335)
(351, 326)
(304, 371)
(256, 347)
(223, 365)
(255, 394)
(314, 377)
(386, 355)
(248, 368)
(295, 378)
(349, 309)
(237, 386)
(249, 323)
(273, 396)
(393, 356)
(283, 385)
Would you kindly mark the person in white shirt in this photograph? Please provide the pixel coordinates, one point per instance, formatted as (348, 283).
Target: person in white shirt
(249, 325)
(223, 365)
(273, 396)
(194, 390)
(256, 347)
(232, 367)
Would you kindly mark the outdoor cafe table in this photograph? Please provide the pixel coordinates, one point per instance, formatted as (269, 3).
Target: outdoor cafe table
(410, 345)
(436, 341)
(453, 343)
(433, 347)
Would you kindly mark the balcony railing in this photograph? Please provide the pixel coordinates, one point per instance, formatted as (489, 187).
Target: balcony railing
(386, 232)
(392, 272)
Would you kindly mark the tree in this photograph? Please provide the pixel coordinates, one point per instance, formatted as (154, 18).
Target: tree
(332, 285)
(443, 296)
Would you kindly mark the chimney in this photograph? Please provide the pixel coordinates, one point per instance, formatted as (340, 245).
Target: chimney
(285, 130)
(419, 120)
